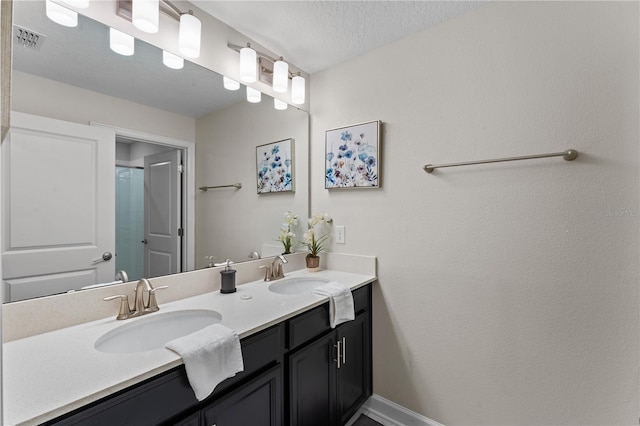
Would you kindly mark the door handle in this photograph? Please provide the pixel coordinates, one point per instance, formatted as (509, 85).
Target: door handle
(144, 241)
(106, 256)
(344, 350)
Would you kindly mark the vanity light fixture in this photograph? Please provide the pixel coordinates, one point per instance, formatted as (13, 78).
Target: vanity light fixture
(279, 105)
(248, 70)
(189, 35)
(145, 15)
(254, 96)
(121, 43)
(230, 84)
(280, 76)
(80, 4)
(172, 61)
(61, 15)
(297, 90)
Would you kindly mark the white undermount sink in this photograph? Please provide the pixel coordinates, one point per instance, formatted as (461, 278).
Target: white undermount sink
(297, 285)
(153, 331)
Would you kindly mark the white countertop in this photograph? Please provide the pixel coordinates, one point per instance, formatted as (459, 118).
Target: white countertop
(50, 374)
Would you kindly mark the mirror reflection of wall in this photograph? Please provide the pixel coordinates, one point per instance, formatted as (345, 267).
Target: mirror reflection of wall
(74, 77)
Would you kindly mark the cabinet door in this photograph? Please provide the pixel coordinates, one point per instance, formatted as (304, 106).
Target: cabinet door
(257, 403)
(312, 378)
(354, 374)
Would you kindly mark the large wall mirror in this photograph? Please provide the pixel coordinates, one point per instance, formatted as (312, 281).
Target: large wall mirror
(82, 113)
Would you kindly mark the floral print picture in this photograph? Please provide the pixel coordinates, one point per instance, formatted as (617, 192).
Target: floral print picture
(275, 166)
(352, 156)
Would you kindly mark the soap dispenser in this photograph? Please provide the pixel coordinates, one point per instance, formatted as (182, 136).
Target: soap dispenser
(228, 279)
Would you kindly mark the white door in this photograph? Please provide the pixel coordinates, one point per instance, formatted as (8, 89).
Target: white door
(162, 213)
(57, 206)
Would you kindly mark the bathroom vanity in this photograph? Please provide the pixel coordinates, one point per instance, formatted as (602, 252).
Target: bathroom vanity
(298, 371)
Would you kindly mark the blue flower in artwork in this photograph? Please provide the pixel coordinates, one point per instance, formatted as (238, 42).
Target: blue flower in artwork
(371, 161)
(329, 156)
(265, 170)
(363, 156)
(277, 158)
(274, 165)
(348, 154)
(345, 136)
(287, 162)
(261, 174)
(343, 147)
(275, 149)
(329, 175)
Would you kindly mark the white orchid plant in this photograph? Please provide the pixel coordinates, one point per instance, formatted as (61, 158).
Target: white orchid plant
(286, 232)
(312, 240)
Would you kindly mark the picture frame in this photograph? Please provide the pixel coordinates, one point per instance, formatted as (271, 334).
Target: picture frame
(275, 167)
(352, 156)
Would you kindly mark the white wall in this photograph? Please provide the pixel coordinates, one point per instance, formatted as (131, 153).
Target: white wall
(231, 223)
(49, 98)
(508, 294)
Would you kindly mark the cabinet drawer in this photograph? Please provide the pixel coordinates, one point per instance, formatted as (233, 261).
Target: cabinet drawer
(362, 299)
(258, 351)
(315, 322)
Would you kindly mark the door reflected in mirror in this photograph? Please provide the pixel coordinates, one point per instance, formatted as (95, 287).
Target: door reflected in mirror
(75, 78)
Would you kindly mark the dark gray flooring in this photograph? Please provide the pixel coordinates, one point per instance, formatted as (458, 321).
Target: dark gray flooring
(365, 421)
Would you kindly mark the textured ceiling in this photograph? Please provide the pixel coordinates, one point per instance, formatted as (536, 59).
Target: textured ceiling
(314, 35)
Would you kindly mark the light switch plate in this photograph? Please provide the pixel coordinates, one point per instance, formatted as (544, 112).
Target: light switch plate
(339, 234)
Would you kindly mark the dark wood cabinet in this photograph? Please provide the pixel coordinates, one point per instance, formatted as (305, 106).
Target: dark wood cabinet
(291, 378)
(330, 377)
(258, 403)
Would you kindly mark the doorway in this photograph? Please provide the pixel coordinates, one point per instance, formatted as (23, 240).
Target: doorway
(149, 209)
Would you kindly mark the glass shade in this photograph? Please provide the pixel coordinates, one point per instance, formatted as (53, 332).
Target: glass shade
(145, 15)
(121, 43)
(297, 90)
(279, 105)
(254, 96)
(230, 84)
(280, 76)
(172, 61)
(248, 66)
(61, 15)
(189, 36)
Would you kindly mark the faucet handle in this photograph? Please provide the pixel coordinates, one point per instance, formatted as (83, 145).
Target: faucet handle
(153, 303)
(267, 272)
(125, 310)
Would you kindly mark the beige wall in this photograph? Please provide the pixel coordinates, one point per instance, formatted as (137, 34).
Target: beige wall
(231, 223)
(49, 98)
(508, 294)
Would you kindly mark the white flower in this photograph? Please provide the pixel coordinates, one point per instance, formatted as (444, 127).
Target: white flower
(309, 236)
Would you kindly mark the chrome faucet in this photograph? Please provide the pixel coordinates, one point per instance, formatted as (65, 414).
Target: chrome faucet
(140, 307)
(273, 271)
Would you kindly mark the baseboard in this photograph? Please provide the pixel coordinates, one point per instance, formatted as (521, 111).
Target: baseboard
(389, 413)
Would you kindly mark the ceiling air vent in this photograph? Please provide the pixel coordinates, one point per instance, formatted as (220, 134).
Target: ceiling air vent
(27, 38)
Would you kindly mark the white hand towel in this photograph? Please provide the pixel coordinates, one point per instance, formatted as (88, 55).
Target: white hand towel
(340, 302)
(210, 355)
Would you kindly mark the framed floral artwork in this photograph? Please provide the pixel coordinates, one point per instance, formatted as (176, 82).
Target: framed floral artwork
(352, 156)
(274, 167)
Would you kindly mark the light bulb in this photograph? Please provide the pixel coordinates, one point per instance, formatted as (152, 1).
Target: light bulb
(297, 90)
(279, 105)
(145, 15)
(61, 15)
(172, 61)
(80, 4)
(248, 64)
(121, 43)
(280, 76)
(254, 96)
(230, 84)
(189, 35)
